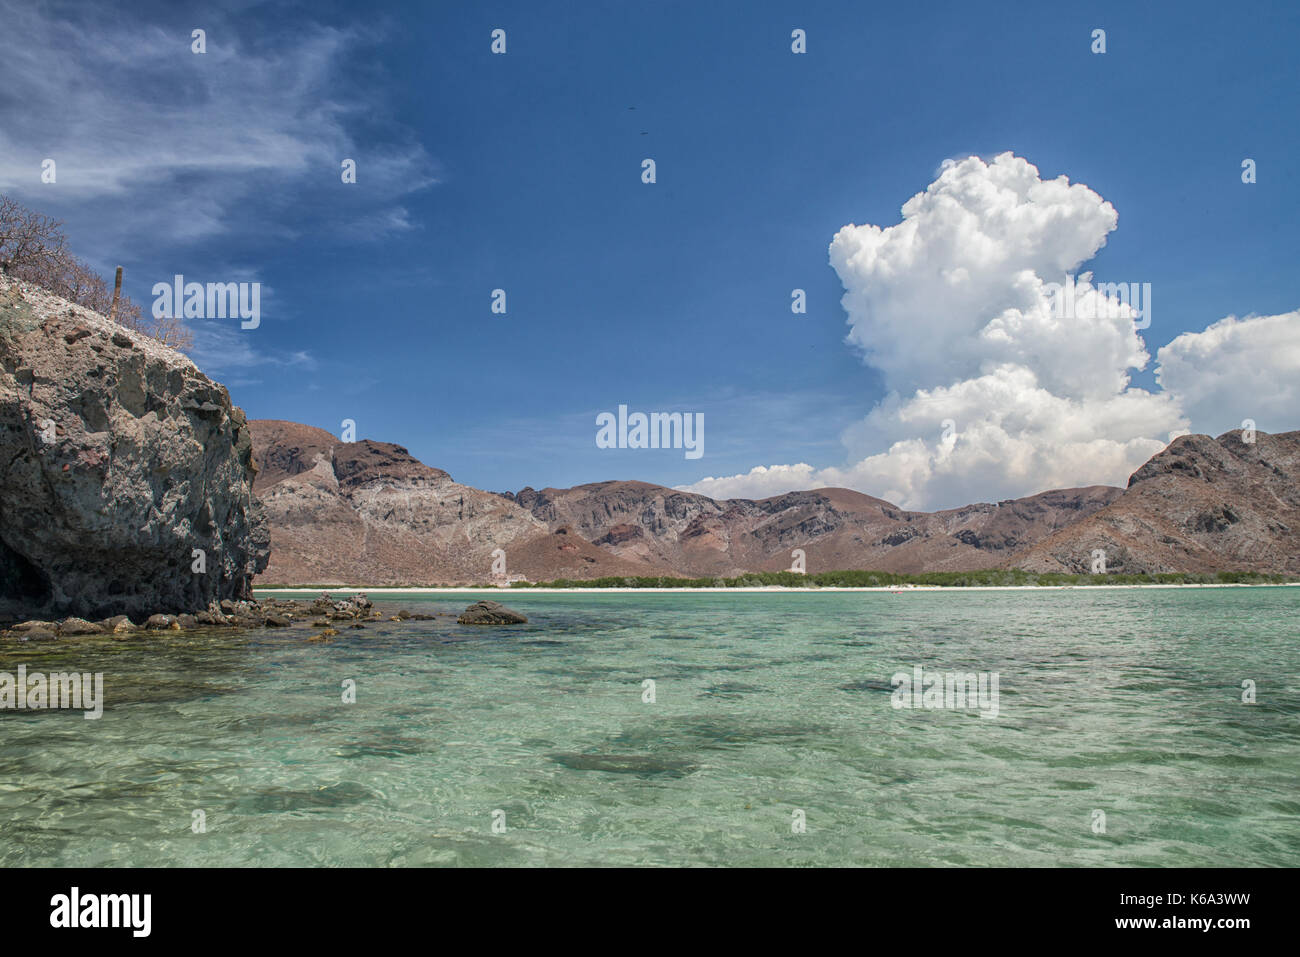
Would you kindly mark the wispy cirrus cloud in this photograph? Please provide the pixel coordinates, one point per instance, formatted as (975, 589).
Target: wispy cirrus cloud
(236, 359)
(156, 145)
(172, 161)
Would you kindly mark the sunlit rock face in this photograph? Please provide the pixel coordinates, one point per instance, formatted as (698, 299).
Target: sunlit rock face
(126, 475)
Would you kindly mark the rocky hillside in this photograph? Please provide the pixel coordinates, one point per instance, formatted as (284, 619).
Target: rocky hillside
(125, 473)
(837, 528)
(369, 513)
(1201, 505)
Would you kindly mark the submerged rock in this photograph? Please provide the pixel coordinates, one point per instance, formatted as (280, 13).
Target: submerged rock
(639, 764)
(491, 613)
(277, 800)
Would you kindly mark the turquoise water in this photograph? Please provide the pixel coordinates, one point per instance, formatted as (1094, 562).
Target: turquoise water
(1126, 702)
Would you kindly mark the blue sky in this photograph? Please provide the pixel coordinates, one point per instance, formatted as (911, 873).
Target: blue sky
(523, 172)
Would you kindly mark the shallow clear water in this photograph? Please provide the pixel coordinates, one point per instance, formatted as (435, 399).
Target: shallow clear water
(1127, 702)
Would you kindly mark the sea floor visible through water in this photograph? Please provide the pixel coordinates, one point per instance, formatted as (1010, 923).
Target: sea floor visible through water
(768, 737)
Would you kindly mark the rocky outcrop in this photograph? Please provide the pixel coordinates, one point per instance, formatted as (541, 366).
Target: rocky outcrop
(126, 475)
(1201, 505)
(491, 613)
(291, 616)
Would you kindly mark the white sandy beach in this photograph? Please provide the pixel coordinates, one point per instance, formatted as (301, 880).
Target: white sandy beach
(497, 590)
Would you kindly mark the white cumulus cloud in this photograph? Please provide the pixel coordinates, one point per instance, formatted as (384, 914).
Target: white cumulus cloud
(995, 391)
(1236, 369)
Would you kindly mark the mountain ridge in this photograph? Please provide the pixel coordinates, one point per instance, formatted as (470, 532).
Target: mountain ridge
(369, 512)
(1200, 505)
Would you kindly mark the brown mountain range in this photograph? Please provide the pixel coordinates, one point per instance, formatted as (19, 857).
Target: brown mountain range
(369, 513)
(682, 533)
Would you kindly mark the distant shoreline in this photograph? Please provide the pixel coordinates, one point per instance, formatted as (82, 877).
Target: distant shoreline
(768, 589)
